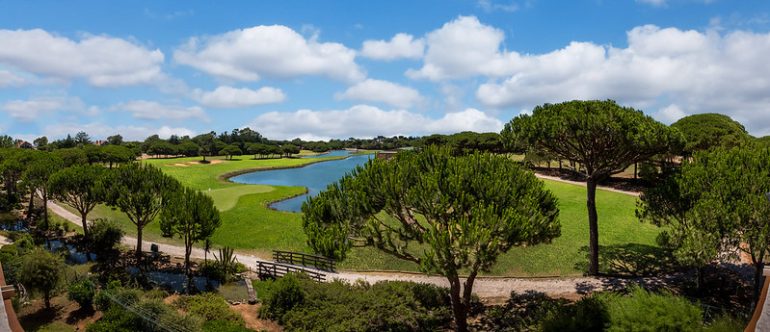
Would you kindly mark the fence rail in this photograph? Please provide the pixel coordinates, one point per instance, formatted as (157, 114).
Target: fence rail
(297, 258)
(270, 270)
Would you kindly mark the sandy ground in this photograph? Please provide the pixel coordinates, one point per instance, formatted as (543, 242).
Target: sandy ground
(186, 164)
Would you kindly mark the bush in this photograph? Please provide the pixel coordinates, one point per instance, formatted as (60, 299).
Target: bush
(304, 305)
(520, 313)
(219, 325)
(156, 316)
(646, 311)
(208, 306)
(725, 323)
(82, 291)
(588, 314)
(285, 295)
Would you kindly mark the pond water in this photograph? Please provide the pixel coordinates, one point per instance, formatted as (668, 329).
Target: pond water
(314, 177)
(334, 153)
(73, 255)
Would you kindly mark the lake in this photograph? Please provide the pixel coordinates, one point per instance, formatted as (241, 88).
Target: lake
(314, 177)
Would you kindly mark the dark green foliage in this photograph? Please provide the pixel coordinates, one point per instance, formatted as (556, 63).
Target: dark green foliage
(646, 311)
(72, 156)
(140, 191)
(105, 238)
(208, 307)
(442, 206)
(386, 306)
(156, 316)
(219, 325)
(710, 130)
(81, 187)
(42, 272)
(602, 136)
(192, 216)
(82, 291)
(586, 315)
(231, 150)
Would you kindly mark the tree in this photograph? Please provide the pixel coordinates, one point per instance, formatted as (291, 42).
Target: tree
(188, 148)
(231, 150)
(695, 240)
(105, 237)
(192, 216)
(446, 214)
(6, 142)
(117, 154)
(41, 271)
(72, 156)
(729, 188)
(115, 139)
(140, 191)
(36, 178)
(207, 143)
(602, 136)
(41, 142)
(710, 130)
(81, 187)
(289, 149)
(81, 139)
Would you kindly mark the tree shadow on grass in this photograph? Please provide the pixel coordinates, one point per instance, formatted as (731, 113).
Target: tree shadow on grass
(35, 320)
(631, 260)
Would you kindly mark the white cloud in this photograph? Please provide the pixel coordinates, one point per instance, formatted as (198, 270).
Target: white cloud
(670, 114)
(101, 60)
(368, 121)
(491, 6)
(101, 131)
(382, 91)
(9, 79)
(464, 48)
(229, 97)
(694, 71)
(401, 46)
(38, 108)
(151, 110)
(272, 51)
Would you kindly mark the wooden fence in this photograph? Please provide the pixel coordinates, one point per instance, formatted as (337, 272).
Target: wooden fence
(270, 270)
(296, 258)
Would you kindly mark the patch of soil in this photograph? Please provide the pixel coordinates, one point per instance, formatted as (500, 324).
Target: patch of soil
(35, 315)
(249, 313)
(180, 165)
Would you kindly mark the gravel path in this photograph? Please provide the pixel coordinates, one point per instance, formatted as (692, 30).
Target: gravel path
(583, 184)
(492, 289)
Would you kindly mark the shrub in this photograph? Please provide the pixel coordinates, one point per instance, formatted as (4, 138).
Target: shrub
(725, 323)
(207, 306)
(521, 312)
(304, 305)
(82, 291)
(588, 314)
(219, 325)
(646, 311)
(285, 295)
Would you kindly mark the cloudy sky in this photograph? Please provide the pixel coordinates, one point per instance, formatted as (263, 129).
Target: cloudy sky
(322, 69)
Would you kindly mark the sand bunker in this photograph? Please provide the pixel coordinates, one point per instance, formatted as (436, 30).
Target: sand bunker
(197, 162)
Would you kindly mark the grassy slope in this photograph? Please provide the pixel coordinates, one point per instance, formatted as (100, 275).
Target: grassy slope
(249, 225)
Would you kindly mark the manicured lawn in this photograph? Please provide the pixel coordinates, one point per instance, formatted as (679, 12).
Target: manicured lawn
(250, 226)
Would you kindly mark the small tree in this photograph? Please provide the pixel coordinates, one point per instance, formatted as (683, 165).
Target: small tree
(105, 237)
(117, 154)
(140, 191)
(192, 216)
(603, 137)
(710, 130)
(460, 213)
(231, 150)
(41, 271)
(81, 187)
(289, 149)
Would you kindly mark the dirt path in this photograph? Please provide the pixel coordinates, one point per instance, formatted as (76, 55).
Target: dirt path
(554, 178)
(489, 288)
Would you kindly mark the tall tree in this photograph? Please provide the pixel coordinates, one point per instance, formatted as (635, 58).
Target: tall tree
(446, 214)
(710, 130)
(140, 191)
(81, 187)
(115, 139)
(41, 271)
(6, 141)
(730, 187)
(36, 178)
(192, 216)
(602, 136)
(81, 139)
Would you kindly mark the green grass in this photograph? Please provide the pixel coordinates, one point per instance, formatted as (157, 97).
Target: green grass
(249, 225)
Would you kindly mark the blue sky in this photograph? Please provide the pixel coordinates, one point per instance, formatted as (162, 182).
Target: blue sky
(323, 69)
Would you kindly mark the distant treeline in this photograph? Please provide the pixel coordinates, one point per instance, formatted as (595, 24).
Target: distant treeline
(244, 142)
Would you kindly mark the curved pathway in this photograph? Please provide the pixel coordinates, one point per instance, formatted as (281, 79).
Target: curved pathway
(488, 288)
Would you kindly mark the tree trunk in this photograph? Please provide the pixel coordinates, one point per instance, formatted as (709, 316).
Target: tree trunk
(45, 209)
(139, 242)
(758, 267)
(560, 165)
(635, 176)
(699, 280)
(188, 273)
(458, 307)
(593, 227)
(83, 220)
(47, 299)
(31, 204)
